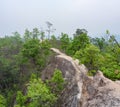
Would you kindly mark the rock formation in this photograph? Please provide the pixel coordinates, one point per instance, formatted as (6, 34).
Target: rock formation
(82, 90)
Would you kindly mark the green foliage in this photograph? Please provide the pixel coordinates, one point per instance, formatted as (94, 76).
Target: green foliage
(107, 32)
(96, 53)
(9, 47)
(80, 31)
(56, 83)
(92, 72)
(110, 66)
(37, 52)
(89, 56)
(103, 55)
(79, 42)
(2, 101)
(35, 33)
(54, 41)
(40, 94)
(20, 99)
(100, 43)
(31, 48)
(113, 72)
(65, 41)
(20, 57)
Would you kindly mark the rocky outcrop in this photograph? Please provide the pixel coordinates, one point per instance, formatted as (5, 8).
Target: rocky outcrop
(100, 92)
(82, 90)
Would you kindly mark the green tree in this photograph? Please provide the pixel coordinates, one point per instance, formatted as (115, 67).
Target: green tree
(37, 52)
(42, 35)
(38, 95)
(9, 47)
(90, 56)
(65, 41)
(79, 42)
(100, 43)
(27, 35)
(35, 33)
(31, 48)
(80, 31)
(56, 83)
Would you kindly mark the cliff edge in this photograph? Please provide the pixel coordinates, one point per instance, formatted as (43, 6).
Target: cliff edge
(82, 90)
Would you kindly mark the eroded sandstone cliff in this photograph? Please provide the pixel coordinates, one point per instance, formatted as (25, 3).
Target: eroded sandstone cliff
(82, 90)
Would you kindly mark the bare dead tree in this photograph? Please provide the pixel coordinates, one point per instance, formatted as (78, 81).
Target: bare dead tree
(50, 29)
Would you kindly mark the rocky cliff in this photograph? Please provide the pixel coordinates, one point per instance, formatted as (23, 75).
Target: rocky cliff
(82, 90)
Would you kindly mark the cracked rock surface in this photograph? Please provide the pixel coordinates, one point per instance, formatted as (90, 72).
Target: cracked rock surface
(82, 90)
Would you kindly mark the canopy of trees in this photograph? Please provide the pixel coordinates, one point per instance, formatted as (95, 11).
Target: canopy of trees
(23, 57)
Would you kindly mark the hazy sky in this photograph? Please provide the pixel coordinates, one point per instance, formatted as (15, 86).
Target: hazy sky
(66, 15)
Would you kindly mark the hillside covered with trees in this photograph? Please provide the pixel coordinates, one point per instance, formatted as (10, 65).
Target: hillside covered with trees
(24, 57)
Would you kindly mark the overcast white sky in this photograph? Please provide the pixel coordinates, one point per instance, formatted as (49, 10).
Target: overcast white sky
(66, 15)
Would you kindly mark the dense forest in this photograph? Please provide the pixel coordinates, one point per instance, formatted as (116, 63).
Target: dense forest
(24, 57)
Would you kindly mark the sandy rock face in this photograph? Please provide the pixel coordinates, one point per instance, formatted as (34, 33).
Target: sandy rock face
(100, 92)
(81, 90)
